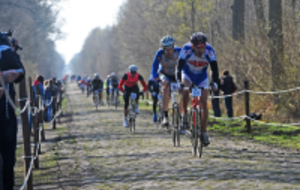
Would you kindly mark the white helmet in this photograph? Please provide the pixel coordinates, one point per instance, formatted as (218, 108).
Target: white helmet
(112, 74)
(133, 68)
(167, 41)
(96, 75)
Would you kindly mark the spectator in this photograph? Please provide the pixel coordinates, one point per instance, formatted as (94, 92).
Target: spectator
(37, 88)
(215, 101)
(228, 87)
(12, 71)
(50, 91)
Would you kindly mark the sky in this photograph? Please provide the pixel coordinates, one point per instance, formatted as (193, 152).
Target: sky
(80, 17)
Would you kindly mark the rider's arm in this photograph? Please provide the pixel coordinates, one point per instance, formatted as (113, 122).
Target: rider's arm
(155, 65)
(141, 79)
(184, 54)
(180, 66)
(213, 64)
(122, 81)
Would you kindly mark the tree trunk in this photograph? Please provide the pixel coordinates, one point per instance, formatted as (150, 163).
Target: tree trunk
(261, 20)
(193, 12)
(276, 43)
(294, 25)
(238, 21)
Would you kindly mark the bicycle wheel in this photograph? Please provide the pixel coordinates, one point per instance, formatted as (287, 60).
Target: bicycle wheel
(130, 124)
(177, 123)
(194, 138)
(174, 130)
(159, 118)
(97, 102)
(200, 137)
(116, 103)
(133, 124)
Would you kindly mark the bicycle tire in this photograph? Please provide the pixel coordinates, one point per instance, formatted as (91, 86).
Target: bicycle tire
(133, 124)
(116, 103)
(194, 132)
(159, 119)
(174, 130)
(200, 137)
(178, 126)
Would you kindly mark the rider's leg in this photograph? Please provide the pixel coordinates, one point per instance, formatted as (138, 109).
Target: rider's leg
(100, 95)
(126, 104)
(204, 108)
(154, 98)
(186, 95)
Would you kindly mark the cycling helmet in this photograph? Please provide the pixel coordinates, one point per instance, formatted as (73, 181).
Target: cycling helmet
(96, 75)
(198, 39)
(167, 41)
(113, 74)
(133, 68)
(4, 40)
(108, 76)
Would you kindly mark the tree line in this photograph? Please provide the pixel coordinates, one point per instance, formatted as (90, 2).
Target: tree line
(256, 40)
(36, 25)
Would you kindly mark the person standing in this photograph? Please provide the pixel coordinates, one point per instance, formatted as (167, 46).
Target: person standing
(228, 87)
(12, 71)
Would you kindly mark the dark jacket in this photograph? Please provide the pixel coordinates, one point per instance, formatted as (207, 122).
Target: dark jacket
(9, 60)
(227, 85)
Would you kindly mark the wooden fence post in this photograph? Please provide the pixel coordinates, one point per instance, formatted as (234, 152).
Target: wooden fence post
(34, 123)
(54, 104)
(26, 135)
(40, 118)
(247, 106)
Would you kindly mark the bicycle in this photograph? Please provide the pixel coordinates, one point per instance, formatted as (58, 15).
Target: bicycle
(132, 114)
(96, 99)
(194, 120)
(175, 115)
(114, 97)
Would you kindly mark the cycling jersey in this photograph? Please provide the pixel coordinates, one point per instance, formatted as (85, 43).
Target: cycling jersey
(130, 81)
(106, 83)
(194, 67)
(113, 83)
(162, 64)
(97, 84)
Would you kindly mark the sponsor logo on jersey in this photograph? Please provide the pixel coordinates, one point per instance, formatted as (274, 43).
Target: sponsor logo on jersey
(197, 63)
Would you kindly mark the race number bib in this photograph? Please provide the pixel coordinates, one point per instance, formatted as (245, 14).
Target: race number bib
(196, 92)
(174, 86)
(133, 95)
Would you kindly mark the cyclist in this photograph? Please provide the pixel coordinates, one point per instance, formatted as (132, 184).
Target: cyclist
(97, 84)
(164, 65)
(106, 87)
(82, 85)
(130, 81)
(113, 85)
(192, 69)
(88, 85)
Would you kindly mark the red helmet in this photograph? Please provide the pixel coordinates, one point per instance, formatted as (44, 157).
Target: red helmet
(198, 39)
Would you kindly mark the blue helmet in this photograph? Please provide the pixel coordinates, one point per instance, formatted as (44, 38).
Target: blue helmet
(167, 41)
(133, 68)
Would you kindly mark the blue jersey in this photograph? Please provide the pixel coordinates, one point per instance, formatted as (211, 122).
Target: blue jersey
(161, 63)
(196, 67)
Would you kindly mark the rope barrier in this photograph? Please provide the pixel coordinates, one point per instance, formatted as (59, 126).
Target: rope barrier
(31, 163)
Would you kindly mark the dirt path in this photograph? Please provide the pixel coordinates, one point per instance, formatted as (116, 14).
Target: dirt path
(96, 152)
